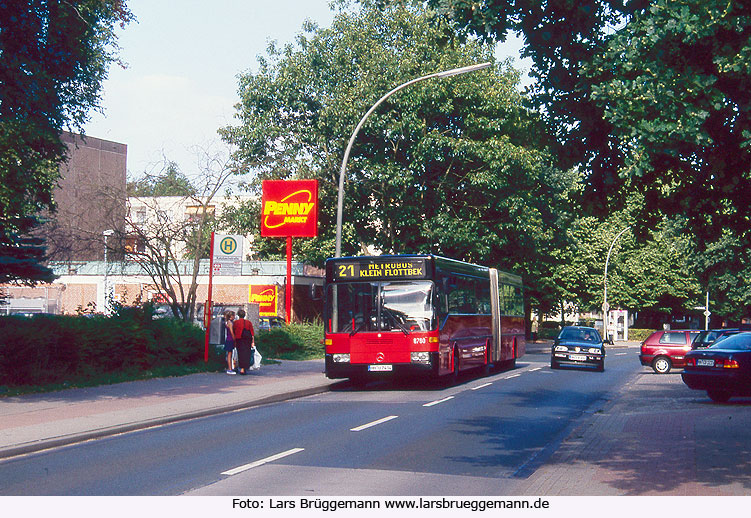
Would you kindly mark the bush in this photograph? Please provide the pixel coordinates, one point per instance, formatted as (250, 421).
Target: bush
(292, 342)
(57, 349)
(639, 335)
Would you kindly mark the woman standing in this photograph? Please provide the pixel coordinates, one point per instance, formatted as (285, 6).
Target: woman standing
(229, 342)
(243, 332)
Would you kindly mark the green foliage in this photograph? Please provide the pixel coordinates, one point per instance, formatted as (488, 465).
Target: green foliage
(673, 84)
(169, 182)
(48, 350)
(455, 166)
(292, 342)
(22, 255)
(54, 57)
(639, 335)
(648, 98)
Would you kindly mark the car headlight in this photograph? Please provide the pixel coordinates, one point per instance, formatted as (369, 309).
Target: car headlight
(340, 358)
(561, 348)
(594, 350)
(419, 357)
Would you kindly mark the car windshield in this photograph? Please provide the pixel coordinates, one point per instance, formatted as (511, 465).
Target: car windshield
(739, 342)
(706, 337)
(576, 334)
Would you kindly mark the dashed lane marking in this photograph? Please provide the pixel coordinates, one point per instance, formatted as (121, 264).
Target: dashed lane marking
(374, 423)
(481, 386)
(439, 401)
(261, 462)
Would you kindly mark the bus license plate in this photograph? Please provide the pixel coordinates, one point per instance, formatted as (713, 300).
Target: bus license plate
(577, 358)
(380, 368)
(705, 363)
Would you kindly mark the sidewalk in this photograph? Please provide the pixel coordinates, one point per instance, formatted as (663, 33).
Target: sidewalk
(39, 421)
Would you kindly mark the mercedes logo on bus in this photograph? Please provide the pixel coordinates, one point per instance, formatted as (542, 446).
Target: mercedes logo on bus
(380, 357)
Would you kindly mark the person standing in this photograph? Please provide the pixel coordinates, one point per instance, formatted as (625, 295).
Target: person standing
(229, 341)
(244, 341)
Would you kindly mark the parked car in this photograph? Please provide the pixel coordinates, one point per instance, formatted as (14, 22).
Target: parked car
(664, 350)
(578, 346)
(706, 338)
(723, 369)
(266, 323)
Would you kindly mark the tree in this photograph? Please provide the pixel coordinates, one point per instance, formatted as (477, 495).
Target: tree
(169, 244)
(455, 167)
(170, 181)
(673, 83)
(54, 56)
(645, 97)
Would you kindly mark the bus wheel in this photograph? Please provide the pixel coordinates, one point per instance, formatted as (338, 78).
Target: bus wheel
(454, 376)
(488, 367)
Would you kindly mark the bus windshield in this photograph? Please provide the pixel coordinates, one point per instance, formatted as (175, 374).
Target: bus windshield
(403, 306)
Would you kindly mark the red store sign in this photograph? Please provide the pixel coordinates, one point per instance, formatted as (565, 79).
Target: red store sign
(289, 208)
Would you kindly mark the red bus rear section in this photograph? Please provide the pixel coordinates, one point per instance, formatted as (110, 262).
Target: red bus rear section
(419, 315)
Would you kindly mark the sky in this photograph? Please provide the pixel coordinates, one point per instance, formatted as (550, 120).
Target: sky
(183, 61)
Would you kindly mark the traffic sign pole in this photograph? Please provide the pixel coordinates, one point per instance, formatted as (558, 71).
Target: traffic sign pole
(207, 310)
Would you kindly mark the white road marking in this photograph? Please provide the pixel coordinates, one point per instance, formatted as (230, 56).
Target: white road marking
(374, 423)
(535, 369)
(621, 354)
(512, 376)
(439, 401)
(481, 386)
(261, 462)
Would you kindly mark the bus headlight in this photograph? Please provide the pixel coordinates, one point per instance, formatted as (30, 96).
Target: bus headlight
(419, 357)
(340, 358)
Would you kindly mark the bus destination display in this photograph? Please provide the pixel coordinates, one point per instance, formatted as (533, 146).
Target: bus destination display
(380, 270)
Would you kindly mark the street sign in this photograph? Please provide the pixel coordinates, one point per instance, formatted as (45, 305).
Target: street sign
(228, 254)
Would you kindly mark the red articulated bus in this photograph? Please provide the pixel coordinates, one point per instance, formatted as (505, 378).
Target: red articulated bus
(425, 315)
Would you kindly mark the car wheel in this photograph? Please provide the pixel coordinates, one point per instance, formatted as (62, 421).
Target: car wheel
(718, 396)
(600, 367)
(661, 365)
(554, 364)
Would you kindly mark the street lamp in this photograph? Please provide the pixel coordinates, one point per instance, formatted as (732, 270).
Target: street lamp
(106, 234)
(605, 306)
(446, 73)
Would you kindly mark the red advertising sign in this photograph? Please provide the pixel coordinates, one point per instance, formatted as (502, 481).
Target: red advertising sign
(289, 208)
(265, 297)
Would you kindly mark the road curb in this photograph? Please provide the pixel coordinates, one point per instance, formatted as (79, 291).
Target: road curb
(56, 442)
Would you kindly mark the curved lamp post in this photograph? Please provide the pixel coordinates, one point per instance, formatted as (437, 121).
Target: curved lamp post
(605, 305)
(446, 73)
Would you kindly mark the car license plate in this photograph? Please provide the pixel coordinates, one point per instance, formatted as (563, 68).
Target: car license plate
(705, 363)
(380, 368)
(577, 358)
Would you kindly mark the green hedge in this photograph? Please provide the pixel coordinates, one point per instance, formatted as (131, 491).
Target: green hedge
(58, 349)
(639, 335)
(292, 342)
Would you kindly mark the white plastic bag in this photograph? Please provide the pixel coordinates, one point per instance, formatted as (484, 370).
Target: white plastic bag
(256, 360)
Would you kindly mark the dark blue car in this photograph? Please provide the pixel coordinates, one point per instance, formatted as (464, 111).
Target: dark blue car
(578, 345)
(723, 369)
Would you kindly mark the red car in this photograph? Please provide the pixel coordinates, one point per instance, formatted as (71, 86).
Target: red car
(664, 350)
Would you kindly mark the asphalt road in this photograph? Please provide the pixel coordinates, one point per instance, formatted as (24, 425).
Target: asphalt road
(483, 436)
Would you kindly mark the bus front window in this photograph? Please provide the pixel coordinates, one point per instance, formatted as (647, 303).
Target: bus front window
(406, 306)
(403, 306)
